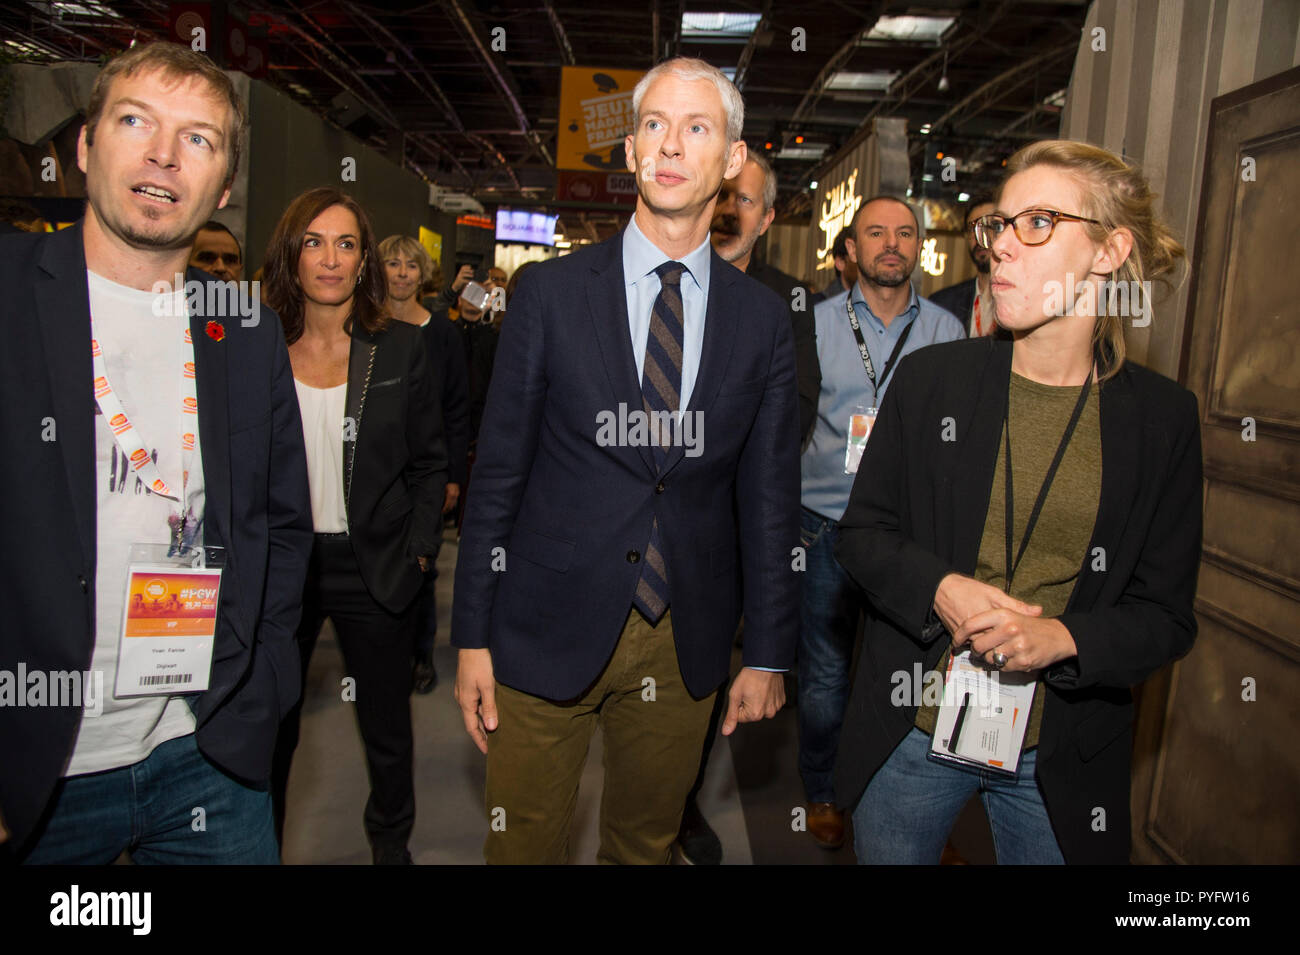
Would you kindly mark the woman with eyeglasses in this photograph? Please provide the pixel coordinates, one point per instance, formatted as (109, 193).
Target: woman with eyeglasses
(377, 469)
(1028, 514)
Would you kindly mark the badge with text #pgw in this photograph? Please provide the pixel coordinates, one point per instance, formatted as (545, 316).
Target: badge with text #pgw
(169, 624)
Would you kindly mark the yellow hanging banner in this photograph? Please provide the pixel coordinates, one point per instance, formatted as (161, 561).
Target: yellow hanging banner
(595, 117)
(432, 243)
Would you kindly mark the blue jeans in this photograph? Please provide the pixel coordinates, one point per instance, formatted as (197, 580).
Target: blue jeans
(910, 805)
(149, 809)
(829, 612)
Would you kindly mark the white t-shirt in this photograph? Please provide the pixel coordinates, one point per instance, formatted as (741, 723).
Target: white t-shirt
(143, 355)
(322, 433)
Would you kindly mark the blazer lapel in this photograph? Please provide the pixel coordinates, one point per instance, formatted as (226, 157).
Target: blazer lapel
(361, 354)
(63, 313)
(607, 307)
(1121, 451)
(212, 385)
(977, 452)
(721, 327)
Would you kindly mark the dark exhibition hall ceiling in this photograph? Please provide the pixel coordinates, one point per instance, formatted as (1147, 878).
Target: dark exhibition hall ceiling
(430, 84)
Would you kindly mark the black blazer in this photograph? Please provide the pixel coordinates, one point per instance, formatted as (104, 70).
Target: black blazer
(479, 341)
(258, 509)
(447, 359)
(571, 513)
(395, 469)
(917, 513)
(808, 370)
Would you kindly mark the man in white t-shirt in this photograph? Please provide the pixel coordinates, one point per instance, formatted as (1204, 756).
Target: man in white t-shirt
(144, 442)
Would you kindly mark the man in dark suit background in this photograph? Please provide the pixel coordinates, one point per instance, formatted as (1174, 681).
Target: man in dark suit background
(601, 564)
(846, 270)
(746, 207)
(961, 299)
(87, 779)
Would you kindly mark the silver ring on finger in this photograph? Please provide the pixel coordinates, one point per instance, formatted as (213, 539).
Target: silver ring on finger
(999, 660)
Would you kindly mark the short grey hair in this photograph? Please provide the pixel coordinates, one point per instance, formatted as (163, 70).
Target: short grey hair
(769, 179)
(689, 68)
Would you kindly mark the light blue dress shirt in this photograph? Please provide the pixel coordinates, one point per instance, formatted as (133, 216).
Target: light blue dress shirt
(640, 259)
(845, 385)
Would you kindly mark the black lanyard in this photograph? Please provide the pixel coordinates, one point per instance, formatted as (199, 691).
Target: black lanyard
(866, 355)
(1047, 481)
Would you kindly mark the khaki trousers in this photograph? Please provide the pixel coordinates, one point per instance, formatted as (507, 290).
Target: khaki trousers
(653, 735)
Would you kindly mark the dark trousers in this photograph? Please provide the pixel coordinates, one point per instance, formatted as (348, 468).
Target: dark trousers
(719, 707)
(376, 648)
(425, 628)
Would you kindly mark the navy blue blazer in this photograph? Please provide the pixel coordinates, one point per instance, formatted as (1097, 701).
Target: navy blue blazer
(258, 508)
(568, 518)
(958, 299)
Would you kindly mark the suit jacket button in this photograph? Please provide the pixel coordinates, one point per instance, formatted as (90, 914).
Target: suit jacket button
(85, 587)
(659, 488)
(633, 557)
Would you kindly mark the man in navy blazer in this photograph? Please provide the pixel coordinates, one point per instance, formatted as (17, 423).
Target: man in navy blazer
(581, 527)
(170, 778)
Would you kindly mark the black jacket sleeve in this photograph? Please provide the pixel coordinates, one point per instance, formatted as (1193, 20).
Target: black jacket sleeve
(898, 574)
(426, 470)
(455, 396)
(808, 369)
(1154, 622)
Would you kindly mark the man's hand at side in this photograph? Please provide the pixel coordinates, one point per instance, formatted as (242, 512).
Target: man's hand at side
(476, 694)
(754, 695)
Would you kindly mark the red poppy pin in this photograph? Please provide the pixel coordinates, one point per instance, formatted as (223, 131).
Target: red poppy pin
(216, 331)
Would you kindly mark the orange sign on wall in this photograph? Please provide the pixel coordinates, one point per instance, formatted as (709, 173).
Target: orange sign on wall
(595, 117)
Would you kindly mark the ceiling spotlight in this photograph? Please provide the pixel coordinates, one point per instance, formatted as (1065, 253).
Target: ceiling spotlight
(813, 185)
(943, 80)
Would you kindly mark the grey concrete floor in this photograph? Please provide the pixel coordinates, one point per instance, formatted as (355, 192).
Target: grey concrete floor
(750, 790)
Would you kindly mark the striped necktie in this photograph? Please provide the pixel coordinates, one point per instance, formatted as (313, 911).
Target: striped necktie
(661, 388)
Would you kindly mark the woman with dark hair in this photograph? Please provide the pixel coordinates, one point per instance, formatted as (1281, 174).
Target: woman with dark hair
(1029, 512)
(377, 469)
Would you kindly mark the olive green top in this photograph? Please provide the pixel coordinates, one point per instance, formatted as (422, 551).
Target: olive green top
(1056, 552)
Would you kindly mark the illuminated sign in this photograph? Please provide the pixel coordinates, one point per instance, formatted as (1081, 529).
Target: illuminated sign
(932, 260)
(838, 205)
